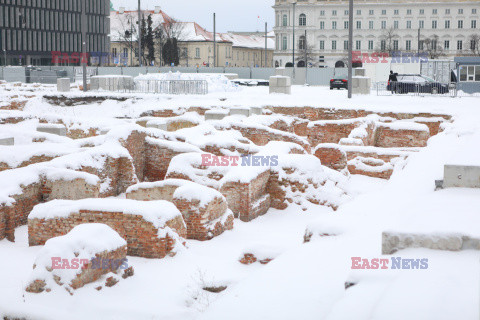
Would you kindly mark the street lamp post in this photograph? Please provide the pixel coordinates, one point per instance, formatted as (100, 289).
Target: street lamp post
(84, 47)
(139, 36)
(5, 57)
(294, 3)
(350, 48)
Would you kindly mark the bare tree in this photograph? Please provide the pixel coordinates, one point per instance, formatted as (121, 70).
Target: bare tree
(127, 30)
(475, 44)
(433, 48)
(389, 36)
(308, 56)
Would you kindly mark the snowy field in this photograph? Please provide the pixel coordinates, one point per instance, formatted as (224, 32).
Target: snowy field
(305, 280)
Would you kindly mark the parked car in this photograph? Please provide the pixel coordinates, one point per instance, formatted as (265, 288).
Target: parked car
(407, 83)
(338, 83)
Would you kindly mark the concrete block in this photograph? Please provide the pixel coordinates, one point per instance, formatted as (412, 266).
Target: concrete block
(359, 72)
(361, 85)
(63, 85)
(280, 72)
(394, 241)
(284, 90)
(57, 129)
(256, 110)
(7, 141)
(456, 176)
(157, 125)
(240, 111)
(284, 81)
(216, 114)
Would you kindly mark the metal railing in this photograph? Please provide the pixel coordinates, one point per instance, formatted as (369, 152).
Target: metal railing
(197, 87)
(420, 89)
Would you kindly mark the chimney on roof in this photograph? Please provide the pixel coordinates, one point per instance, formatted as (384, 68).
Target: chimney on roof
(121, 10)
(157, 9)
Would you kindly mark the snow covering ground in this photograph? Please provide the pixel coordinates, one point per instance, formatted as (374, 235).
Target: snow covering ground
(305, 280)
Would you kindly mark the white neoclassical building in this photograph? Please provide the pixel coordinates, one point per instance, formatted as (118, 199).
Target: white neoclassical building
(446, 28)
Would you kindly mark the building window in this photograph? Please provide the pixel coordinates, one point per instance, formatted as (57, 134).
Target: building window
(334, 25)
(359, 24)
(395, 44)
(334, 12)
(434, 24)
(383, 45)
(334, 44)
(434, 11)
(345, 44)
(421, 44)
(302, 21)
(322, 12)
(447, 11)
(474, 24)
(396, 12)
(447, 24)
(197, 53)
(422, 11)
(371, 12)
(322, 45)
(470, 73)
(460, 24)
(395, 24)
(358, 45)
(474, 11)
(370, 44)
(370, 25)
(409, 11)
(459, 45)
(284, 44)
(345, 12)
(384, 24)
(359, 12)
(301, 43)
(384, 12)
(322, 25)
(345, 24)
(460, 11)
(284, 20)
(408, 45)
(446, 45)
(409, 24)
(421, 24)
(473, 44)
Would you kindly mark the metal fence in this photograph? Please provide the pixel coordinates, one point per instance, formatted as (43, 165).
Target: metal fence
(172, 86)
(419, 89)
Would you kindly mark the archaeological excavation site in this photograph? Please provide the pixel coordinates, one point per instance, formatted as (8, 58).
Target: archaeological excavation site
(185, 207)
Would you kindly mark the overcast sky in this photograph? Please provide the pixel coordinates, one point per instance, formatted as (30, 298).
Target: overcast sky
(242, 15)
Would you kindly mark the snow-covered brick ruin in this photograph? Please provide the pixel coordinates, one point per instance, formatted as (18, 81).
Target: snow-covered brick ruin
(220, 198)
(82, 256)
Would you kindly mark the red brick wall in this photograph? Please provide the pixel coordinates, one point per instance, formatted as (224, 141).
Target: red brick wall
(388, 138)
(198, 218)
(3, 224)
(330, 132)
(141, 236)
(135, 144)
(157, 160)
(248, 200)
(333, 157)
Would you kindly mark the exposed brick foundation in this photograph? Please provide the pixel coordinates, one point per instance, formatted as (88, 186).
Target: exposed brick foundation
(142, 236)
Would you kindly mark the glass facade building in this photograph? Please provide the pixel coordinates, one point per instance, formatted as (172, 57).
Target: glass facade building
(30, 30)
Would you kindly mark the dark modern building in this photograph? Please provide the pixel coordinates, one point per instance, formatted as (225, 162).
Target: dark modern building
(30, 30)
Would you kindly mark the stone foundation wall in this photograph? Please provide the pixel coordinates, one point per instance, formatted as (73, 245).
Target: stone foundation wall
(330, 132)
(332, 157)
(32, 160)
(142, 236)
(3, 224)
(135, 144)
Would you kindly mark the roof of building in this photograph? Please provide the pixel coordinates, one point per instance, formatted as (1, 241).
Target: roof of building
(187, 31)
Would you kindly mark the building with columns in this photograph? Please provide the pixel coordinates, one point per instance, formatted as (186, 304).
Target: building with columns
(440, 28)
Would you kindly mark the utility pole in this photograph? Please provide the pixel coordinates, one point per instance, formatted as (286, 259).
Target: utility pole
(139, 36)
(214, 41)
(84, 45)
(418, 44)
(266, 45)
(293, 43)
(306, 58)
(350, 48)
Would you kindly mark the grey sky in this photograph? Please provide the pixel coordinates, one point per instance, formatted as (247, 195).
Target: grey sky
(232, 15)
